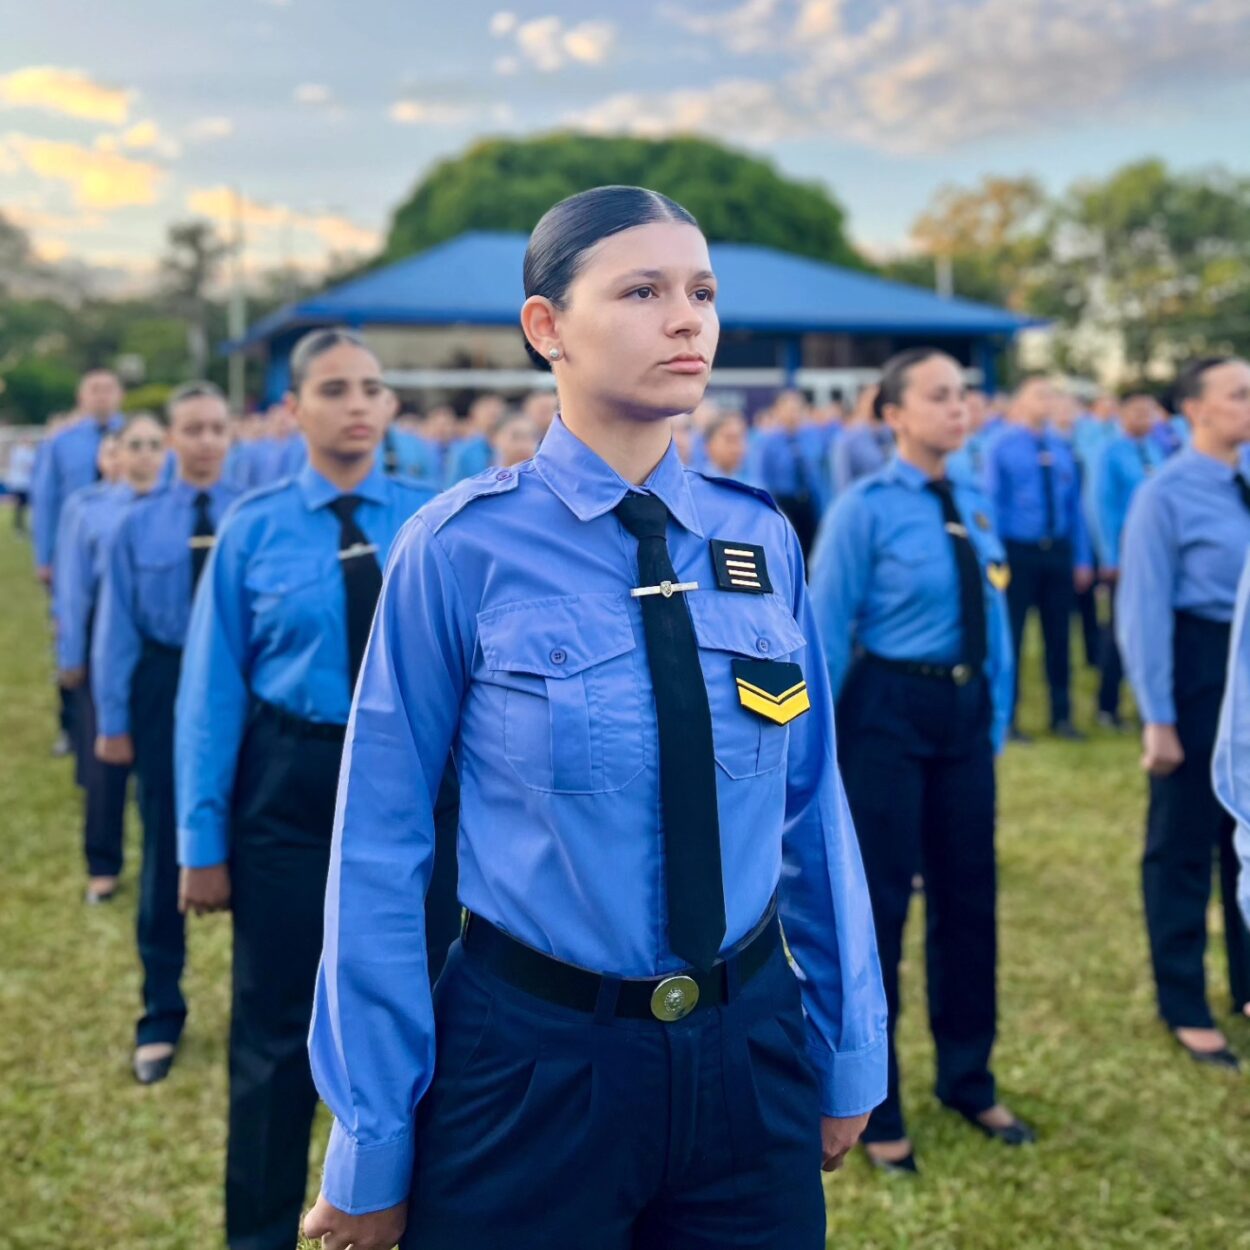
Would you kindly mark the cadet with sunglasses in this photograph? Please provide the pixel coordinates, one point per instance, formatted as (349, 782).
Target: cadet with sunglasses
(1185, 543)
(620, 653)
(907, 587)
(153, 569)
(273, 650)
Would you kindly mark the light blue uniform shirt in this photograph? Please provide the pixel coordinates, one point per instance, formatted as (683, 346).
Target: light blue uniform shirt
(1184, 545)
(1015, 483)
(1125, 463)
(67, 465)
(861, 450)
(1230, 764)
(884, 578)
(411, 456)
(89, 521)
(270, 622)
(146, 592)
(468, 457)
(506, 633)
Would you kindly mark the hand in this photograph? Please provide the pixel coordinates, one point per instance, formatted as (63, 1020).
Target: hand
(71, 678)
(44, 574)
(1110, 576)
(201, 890)
(118, 749)
(1162, 752)
(1082, 579)
(837, 1136)
(379, 1230)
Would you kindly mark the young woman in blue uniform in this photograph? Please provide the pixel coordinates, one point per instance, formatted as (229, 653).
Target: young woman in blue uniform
(272, 653)
(907, 587)
(154, 564)
(88, 524)
(1184, 545)
(620, 653)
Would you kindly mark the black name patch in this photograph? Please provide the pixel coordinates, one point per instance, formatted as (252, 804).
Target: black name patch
(741, 567)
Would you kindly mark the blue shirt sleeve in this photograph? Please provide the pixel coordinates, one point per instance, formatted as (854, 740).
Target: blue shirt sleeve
(823, 899)
(840, 573)
(212, 703)
(372, 1038)
(46, 491)
(1148, 570)
(1082, 552)
(117, 643)
(69, 591)
(1109, 488)
(1230, 764)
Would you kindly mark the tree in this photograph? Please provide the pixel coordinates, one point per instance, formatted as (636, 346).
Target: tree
(189, 269)
(507, 184)
(33, 389)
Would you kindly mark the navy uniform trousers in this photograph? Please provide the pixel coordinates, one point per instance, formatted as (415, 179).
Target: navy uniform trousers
(161, 927)
(550, 1128)
(918, 766)
(1041, 577)
(1186, 828)
(104, 792)
(1110, 664)
(282, 824)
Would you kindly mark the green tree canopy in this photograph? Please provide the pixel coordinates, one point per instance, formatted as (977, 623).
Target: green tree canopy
(507, 184)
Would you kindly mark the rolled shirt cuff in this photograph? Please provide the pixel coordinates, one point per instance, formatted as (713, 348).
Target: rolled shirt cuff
(202, 848)
(852, 1082)
(112, 721)
(362, 1178)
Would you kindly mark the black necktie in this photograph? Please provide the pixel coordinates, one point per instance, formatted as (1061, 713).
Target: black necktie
(100, 431)
(1047, 461)
(1243, 488)
(693, 882)
(362, 580)
(971, 596)
(201, 537)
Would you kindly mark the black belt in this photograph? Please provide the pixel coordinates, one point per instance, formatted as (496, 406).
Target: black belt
(297, 726)
(666, 998)
(958, 674)
(162, 648)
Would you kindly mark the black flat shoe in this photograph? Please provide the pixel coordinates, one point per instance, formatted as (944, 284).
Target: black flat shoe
(906, 1166)
(150, 1071)
(1067, 731)
(1019, 737)
(1223, 1058)
(1017, 1133)
(93, 898)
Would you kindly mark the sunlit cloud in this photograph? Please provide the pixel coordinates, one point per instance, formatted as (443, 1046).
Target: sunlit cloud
(68, 92)
(503, 23)
(206, 129)
(428, 113)
(547, 44)
(312, 93)
(338, 233)
(97, 178)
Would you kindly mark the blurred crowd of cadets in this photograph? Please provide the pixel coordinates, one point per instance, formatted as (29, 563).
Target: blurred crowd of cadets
(803, 454)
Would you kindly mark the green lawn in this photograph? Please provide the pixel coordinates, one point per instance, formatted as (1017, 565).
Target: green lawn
(1140, 1147)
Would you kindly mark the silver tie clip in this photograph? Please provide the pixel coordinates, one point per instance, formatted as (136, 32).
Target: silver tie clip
(358, 549)
(667, 589)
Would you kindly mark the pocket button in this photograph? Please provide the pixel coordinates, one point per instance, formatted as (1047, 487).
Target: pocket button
(558, 656)
(761, 645)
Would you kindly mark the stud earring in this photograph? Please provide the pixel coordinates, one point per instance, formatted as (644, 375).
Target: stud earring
(554, 353)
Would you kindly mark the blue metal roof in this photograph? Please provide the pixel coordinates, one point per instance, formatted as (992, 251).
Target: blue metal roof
(475, 279)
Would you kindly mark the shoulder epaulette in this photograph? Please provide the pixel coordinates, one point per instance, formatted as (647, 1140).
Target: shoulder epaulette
(745, 487)
(489, 482)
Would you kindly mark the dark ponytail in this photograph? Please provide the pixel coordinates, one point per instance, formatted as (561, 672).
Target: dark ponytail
(894, 376)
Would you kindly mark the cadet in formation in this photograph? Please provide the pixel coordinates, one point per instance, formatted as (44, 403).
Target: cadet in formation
(1230, 763)
(1035, 495)
(907, 587)
(155, 563)
(272, 652)
(621, 655)
(88, 524)
(1185, 542)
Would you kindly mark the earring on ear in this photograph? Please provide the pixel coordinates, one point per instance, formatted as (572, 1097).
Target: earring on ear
(554, 353)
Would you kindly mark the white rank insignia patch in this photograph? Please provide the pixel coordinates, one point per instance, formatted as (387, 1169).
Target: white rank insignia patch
(741, 567)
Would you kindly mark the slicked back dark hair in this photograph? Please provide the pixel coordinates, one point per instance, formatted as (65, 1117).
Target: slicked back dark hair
(317, 343)
(894, 376)
(1191, 379)
(569, 229)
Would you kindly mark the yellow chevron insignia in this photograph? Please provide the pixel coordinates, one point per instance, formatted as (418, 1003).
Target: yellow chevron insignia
(999, 575)
(772, 689)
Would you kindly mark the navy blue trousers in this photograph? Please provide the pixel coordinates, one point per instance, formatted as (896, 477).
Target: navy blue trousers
(1042, 578)
(161, 928)
(546, 1129)
(918, 766)
(104, 793)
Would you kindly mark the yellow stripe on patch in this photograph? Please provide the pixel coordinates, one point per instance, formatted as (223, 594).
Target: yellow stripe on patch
(743, 684)
(999, 575)
(779, 715)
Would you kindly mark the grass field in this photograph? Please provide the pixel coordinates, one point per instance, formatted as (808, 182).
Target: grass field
(1140, 1148)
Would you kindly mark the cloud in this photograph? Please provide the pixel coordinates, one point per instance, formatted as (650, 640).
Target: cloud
(502, 24)
(98, 178)
(428, 113)
(69, 92)
(335, 232)
(924, 76)
(312, 93)
(206, 129)
(506, 66)
(147, 136)
(547, 44)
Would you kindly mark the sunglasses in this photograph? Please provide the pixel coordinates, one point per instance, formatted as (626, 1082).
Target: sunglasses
(143, 444)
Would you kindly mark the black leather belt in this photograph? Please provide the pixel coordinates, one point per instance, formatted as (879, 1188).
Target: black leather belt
(959, 674)
(666, 998)
(297, 726)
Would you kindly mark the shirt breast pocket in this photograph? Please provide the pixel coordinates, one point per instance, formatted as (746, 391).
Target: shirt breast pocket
(568, 668)
(161, 577)
(730, 627)
(289, 596)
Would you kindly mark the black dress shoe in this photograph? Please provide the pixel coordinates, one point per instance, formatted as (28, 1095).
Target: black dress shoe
(1019, 737)
(1066, 730)
(1222, 1058)
(150, 1071)
(93, 898)
(906, 1166)
(1017, 1133)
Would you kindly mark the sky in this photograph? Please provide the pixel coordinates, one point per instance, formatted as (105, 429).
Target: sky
(118, 118)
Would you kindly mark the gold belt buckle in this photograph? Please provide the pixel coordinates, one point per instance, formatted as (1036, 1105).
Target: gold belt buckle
(674, 998)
